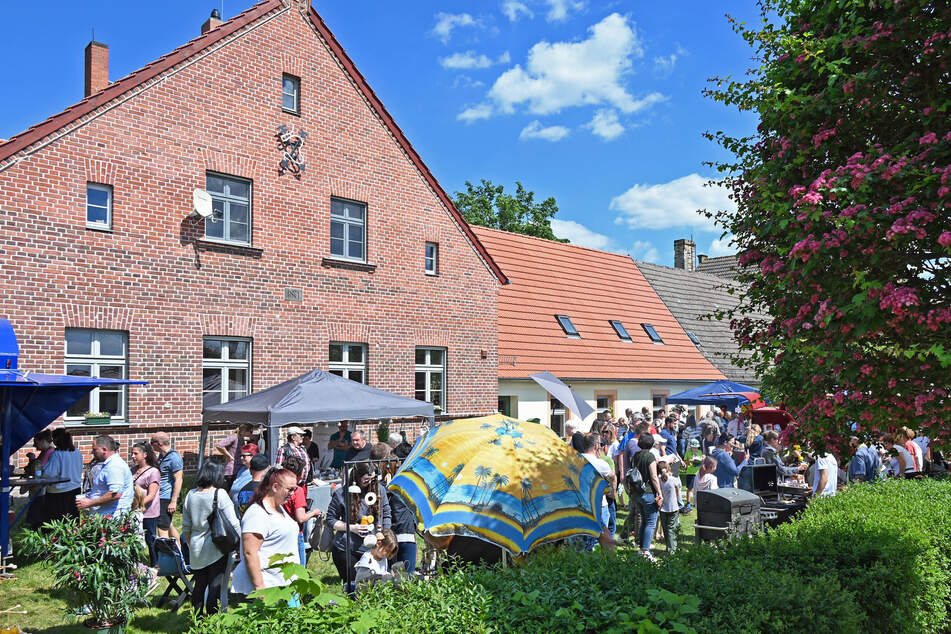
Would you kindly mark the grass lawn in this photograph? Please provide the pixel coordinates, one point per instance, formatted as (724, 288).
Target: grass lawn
(46, 608)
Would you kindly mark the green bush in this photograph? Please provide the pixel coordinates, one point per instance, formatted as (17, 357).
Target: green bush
(876, 558)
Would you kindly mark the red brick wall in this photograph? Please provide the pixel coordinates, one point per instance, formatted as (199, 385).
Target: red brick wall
(150, 277)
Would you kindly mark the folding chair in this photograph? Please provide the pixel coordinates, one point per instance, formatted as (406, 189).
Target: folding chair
(172, 566)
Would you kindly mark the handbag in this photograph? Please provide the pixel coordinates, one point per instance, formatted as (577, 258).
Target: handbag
(223, 534)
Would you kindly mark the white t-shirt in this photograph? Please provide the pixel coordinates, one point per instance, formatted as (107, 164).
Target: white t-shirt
(603, 468)
(829, 464)
(377, 567)
(924, 442)
(280, 536)
(614, 449)
(669, 490)
(706, 483)
(909, 460)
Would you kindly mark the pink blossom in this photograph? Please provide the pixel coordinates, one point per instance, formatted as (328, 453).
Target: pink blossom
(928, 139)
(849, 87)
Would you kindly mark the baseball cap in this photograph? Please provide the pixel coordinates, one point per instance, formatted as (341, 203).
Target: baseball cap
(295, 430)
(259, 462)
(694, 442)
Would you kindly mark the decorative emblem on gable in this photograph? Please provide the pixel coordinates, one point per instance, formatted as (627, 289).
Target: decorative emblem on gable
(290, 143)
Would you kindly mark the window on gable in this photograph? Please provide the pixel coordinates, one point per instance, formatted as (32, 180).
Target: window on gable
(347, 229)
(98, 206)
(693, 338)
(432, 258)
(620, 330)
(100, 354)
(565, 322)
(290, 93)
(349, 360)
(652, 333)
(231, 209)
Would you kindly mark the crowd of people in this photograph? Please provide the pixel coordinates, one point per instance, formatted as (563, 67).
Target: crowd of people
(659, 460)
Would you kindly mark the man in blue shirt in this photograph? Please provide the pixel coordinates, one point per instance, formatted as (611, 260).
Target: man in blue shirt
(170, 483)
(727, 469)
(865, 465)
(111, 492)
(340, 443)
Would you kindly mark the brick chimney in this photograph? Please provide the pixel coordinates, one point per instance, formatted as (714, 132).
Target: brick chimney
(213, 22)
(684, 254)
(97, 67)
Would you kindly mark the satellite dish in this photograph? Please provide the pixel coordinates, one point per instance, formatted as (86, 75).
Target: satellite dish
(201, 202)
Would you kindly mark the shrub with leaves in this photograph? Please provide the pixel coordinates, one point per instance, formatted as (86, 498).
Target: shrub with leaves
(96, 560)
(842, 212)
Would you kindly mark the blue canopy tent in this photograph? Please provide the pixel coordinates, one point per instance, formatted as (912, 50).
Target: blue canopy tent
(717, 393)
(29, 402)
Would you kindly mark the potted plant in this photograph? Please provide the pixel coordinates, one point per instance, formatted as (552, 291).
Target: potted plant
(98, 418)
(95, 560)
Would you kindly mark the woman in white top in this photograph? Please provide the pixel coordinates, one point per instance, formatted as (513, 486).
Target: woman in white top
(267, 530)
(65, 462)
(906, 463)
(208, 563)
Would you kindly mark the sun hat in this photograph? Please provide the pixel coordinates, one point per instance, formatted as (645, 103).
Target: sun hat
(295, 430)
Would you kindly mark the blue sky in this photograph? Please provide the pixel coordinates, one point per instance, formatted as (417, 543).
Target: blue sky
(595, 103)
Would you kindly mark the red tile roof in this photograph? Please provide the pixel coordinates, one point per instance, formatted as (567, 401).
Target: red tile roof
(72, 114)
(591, 287)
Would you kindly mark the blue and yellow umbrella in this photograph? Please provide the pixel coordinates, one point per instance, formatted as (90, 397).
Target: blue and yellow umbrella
(509, 482)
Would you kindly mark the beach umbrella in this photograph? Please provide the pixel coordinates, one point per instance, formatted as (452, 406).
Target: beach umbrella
(554, 386)
(509, 482)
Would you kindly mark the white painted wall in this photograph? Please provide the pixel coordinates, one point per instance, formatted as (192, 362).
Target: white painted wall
(533, 401)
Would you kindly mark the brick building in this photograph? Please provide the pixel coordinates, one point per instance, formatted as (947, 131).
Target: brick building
(359, 263)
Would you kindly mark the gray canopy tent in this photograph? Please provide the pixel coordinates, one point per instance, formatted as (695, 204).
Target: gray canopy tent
(315, 397)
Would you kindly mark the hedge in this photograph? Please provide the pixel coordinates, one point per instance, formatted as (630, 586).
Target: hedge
(874, 558)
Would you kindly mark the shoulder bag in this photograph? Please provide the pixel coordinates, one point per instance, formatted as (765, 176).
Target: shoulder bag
(223, 534)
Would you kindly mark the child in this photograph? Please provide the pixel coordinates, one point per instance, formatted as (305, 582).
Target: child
(373, 565)
(670, 509)
(137, 513)
(693, 458)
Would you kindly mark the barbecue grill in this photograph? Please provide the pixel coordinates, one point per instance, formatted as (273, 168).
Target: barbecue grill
(763, 480)
(726, 512)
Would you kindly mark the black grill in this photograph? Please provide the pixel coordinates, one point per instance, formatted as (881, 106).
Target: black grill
(726, 512)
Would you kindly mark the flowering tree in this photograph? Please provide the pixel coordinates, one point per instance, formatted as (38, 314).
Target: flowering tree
(842, 212)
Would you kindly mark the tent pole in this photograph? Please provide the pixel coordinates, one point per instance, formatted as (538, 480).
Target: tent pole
(7, 432)
(202, 442)
(346, 506)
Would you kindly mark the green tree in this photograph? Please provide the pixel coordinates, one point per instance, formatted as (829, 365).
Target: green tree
(487, 205)
(842, 212)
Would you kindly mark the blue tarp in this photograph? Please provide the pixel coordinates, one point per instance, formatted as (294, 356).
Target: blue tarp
(695, 396)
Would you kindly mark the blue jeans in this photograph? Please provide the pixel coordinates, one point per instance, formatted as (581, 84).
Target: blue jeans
(612, 518)
(302, 548)
(649, 513)
(406, 551)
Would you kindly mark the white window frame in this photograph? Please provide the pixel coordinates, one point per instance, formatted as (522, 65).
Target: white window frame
(345, 366)
(429, 369)
(225, 364)
(109, 191)
(348, 224)
(95, 360)
(227, 201)
(295, 95)
(432, 262)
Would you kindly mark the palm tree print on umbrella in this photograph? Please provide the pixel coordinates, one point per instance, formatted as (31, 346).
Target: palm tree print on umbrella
(570, 485)
(482, 474)
(528, 502)
(499, 481)
(441, 489)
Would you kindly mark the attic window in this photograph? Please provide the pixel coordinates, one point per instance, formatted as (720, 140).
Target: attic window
(693, 338)
(649, 329)
(620, 330)
(565, 322)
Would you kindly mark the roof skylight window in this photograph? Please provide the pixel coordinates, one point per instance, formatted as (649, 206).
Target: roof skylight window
(620, 330)
(694, 338)
(565, 322)
(649, 329)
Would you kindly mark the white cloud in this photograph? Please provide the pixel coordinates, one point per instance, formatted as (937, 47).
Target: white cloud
(672, 204)
(567, 74)
(558, 9)
(605, 124)
(464, 81)
(534, 130)
(722, 246)
(447, 22)
(643, 251)
(579, 234)
(465, 61)
(664, 64)
(476, 112)
(513, 9)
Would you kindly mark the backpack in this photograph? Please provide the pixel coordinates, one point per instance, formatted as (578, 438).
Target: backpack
(634, 483)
